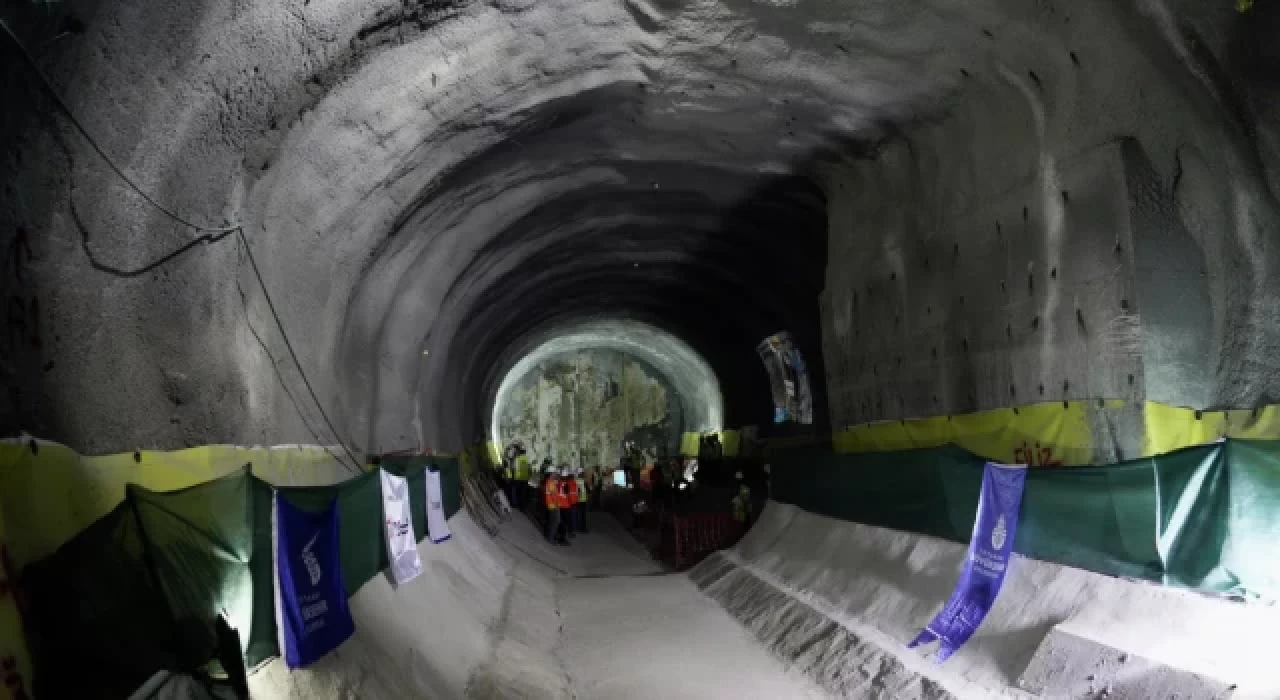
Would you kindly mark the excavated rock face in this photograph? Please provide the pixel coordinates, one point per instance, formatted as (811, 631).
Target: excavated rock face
(426, 185)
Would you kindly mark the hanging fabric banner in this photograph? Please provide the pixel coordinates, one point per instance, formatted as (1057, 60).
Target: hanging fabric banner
(402, 548)
(437, 523)
(311, 603)
(986, 564)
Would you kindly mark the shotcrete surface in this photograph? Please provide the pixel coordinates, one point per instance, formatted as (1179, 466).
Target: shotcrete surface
(879, 587)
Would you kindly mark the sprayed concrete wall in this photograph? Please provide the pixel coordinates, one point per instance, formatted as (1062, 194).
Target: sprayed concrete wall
(578, 408)
(1083, 224)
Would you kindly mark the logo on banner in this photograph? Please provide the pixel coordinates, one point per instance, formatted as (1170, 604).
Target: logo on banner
(310, 561)
(311, 615)
(998, 534)
(984, 569)
(398, 527)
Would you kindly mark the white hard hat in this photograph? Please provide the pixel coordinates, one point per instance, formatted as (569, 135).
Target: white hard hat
(738, 476)
(768, 469)
(564, 471)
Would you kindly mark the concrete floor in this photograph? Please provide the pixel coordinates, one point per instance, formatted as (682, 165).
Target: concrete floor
(609, 550)
(630, 629)
(512, 616)
(660, 637)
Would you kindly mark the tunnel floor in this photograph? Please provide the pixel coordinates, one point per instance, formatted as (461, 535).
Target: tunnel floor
(660, 637)
(608, 550)
(510, 615)
(629, 628)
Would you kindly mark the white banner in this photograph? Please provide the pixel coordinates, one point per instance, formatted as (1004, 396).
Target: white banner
(437, 523)
(402, 548)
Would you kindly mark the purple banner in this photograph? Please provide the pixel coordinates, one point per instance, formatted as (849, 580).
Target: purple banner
(986, 563)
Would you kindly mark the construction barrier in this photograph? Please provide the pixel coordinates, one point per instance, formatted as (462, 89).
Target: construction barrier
(686, 539)
(1204, 518)
(139, 589)
(1046, 434)
(1060, 433)
(49, 492)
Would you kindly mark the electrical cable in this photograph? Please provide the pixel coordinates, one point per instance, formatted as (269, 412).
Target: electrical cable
(253, 263)
(66, 110)
(238, 229)
(302, 417)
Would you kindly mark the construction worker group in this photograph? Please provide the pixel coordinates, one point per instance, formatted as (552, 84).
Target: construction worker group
(565, 494)
(558, 498)
(556, 495)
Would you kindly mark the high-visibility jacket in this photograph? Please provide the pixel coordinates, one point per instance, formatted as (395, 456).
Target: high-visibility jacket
(582, 489)
(574, 491)
(522, 467)
(562, 492)
(550, 491)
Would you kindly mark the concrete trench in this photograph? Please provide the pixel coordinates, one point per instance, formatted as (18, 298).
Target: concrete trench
(572, 222)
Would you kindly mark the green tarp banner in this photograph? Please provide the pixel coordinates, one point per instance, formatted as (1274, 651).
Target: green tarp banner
(1204, 517)
(140, 590)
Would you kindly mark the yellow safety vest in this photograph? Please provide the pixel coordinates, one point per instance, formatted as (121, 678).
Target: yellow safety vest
(582, 489)
(522, 467)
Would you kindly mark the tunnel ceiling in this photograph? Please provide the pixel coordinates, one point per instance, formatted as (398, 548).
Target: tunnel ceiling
(428, 185)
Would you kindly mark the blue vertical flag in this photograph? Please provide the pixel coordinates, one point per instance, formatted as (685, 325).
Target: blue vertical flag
(985, 566)
(311, 603)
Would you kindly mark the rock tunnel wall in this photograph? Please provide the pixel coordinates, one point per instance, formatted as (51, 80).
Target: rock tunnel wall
(425, 183)
(578, 409)
(1088, 221)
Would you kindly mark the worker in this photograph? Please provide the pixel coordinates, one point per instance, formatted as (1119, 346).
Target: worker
(502, 472)
(521, 473)
(565, 503)
(742, 502)
(584, 497)
(534, 504)
(551, 501)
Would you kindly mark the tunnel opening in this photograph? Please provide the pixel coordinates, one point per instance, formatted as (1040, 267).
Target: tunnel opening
(584, 390)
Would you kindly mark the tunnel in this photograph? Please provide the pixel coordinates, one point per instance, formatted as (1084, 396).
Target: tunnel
(996, 232)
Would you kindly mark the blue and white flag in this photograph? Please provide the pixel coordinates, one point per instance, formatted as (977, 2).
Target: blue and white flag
(311, 602)
(986, 564)
(402, 547)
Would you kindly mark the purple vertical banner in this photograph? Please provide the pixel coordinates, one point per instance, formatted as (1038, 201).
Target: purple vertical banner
(986, 564)
(311, 602)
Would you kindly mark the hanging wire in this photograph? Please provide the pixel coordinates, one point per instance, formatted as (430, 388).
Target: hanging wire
(66, 110)
(238, 229)
(253, 263)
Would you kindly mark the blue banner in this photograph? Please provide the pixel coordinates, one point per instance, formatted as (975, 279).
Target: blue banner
(311, 603)
(986, 563)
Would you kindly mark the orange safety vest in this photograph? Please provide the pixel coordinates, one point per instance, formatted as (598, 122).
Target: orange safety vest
(572, 483)
(562, 494)
(550, 491)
